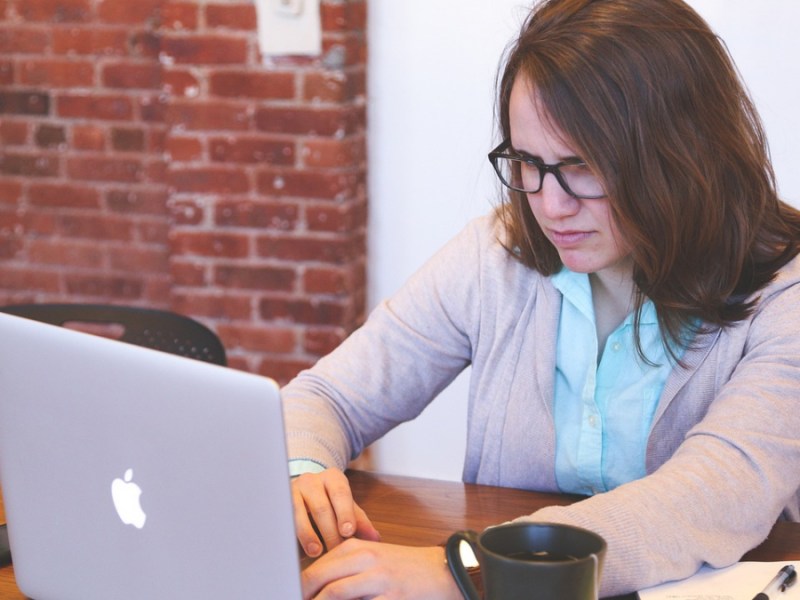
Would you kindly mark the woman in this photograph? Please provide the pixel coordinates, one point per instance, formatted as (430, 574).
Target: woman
(631, 314)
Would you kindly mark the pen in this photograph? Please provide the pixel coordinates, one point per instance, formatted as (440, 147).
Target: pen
(783, 580)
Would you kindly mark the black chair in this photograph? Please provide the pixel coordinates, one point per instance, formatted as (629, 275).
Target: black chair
(157, 329)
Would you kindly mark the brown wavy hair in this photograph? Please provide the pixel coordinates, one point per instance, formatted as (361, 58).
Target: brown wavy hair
(652, 100)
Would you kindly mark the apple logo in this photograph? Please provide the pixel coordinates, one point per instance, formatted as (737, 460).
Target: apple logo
(125, 495)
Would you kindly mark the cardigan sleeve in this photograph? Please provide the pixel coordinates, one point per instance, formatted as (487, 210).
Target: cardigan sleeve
(410, 348)
(721, 492)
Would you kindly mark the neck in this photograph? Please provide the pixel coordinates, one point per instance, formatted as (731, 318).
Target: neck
(612, 297)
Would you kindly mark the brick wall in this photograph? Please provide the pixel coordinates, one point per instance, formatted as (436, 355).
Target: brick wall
(149, 156)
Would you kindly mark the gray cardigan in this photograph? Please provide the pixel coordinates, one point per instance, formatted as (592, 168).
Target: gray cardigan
(723, 456)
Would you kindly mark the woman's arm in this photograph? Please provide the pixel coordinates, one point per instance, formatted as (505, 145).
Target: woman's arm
(720, 493)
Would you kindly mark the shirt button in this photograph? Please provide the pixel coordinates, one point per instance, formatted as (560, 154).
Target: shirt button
(616, 346)
(592, 421)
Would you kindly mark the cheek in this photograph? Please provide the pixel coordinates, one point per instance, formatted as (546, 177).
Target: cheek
(616, 235)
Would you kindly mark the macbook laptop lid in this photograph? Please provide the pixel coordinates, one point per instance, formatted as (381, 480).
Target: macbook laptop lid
(129, 473)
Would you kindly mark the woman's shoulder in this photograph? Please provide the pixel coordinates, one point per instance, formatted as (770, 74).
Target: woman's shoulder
(787, 277)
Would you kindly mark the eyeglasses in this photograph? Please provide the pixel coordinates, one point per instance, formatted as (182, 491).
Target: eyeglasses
(526, 174)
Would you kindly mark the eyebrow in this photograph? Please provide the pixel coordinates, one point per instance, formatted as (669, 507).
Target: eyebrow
(569, 160)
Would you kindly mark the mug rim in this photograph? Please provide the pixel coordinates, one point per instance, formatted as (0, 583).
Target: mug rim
(602, 545)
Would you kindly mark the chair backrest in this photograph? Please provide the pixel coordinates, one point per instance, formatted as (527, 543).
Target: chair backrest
(157, 329)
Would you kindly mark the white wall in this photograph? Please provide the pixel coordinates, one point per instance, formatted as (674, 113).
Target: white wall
(432, 72)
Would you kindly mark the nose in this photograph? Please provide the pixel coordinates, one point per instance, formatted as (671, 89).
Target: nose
(555, 202)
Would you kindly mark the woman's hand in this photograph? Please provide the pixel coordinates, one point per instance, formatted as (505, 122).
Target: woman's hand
(364, 569)
(324, 500)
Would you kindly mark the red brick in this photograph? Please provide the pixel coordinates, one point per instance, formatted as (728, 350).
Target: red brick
(88, 137)
(181, 148)
(256, 214)
(345, 16)
(144, 44)
(105, 169)
(310, 184)
(76, 254)
(327, 280)
(255, 278)
(63, 195)
(93, 106)
(336, 87)
(127, 75)
(339, 218)
(29, 279)
(283, 370)
(219, 306)
(327, 152)
(179, 16)
(25, 103)
(23, 40)
(251, 150)
(157, 140)
(95, 227)
(180, 83)
(208, 116)
(125, 139)
(210, 244)
(187, 212)
(253, 84)
(323, 340)
(140, 260)
(204, 50)
(311, 121)
(37, 165)
(306, 249)
(344, 50)
(209, 180)
(12, 219)
(55, 11)
(152, 231)
(106, 287)
(90, 41)
(56, 73)
(155, 169)
(10, 191)
(10, 245)
(140, 12)
(13, 133)
(231, 16)
(48, 135)
(258, 338)
(188, 273)
(303, 310)
(137, 202)
(40, 223)
(152, 108)
(6, 72)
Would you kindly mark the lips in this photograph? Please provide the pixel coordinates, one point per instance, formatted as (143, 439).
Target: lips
(568, 238)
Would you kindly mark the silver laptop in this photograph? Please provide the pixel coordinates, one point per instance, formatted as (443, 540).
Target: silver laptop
(129, 473)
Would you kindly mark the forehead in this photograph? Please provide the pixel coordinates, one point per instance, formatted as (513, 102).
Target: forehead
(531, 124)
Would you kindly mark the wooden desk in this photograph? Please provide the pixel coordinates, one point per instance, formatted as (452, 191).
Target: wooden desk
(424, 512)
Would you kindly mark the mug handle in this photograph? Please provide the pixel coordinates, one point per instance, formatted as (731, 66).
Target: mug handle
(453, 553)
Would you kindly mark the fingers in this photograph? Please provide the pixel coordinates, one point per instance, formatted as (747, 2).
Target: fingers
(365, 530)
(358, 569)
(325, 512)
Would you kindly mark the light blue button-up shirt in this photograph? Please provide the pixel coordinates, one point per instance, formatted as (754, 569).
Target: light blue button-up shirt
(603, 412)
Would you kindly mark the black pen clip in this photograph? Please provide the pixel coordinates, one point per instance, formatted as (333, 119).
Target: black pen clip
(790, 579)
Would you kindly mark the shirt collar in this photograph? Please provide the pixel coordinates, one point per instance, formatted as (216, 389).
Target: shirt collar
(577, 290)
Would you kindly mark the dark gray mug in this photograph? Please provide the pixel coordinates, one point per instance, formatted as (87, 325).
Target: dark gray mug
(530, 561)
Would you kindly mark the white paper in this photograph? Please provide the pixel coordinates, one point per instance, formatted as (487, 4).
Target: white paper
(289, 27)
(741, 581)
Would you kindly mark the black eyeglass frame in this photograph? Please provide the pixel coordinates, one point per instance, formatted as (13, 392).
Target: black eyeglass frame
(543, 167)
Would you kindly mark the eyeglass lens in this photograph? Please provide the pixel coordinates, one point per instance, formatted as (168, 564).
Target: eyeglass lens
(527, 176)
